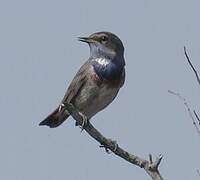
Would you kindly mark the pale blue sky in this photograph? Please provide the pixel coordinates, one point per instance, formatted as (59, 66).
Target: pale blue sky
(39, 55)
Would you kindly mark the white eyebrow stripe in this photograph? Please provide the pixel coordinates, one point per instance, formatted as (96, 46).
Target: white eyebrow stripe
(102, 61)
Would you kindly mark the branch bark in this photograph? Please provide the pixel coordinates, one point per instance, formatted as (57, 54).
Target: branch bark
(151, 167)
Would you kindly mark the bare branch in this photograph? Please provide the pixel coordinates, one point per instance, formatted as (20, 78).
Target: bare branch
(154, 164)
(191, 65)
(188, 109)
(150, 167)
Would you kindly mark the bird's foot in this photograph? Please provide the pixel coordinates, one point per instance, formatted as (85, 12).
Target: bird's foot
(108, 149)
(84, 121)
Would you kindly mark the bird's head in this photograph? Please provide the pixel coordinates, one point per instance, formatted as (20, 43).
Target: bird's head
(104, 44)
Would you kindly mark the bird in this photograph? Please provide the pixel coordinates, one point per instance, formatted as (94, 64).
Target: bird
(97, 82)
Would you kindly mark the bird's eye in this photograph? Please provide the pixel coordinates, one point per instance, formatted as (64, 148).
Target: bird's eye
(104, 39)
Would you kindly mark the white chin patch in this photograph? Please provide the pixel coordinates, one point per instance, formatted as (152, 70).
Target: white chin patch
(102, 61)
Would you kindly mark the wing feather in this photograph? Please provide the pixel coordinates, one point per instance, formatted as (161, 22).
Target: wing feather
(77, 83)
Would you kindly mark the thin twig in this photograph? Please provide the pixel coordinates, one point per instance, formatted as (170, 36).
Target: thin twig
(188, 109)
(151, 167)
(191, 65)
(197, 117)
(198, 172)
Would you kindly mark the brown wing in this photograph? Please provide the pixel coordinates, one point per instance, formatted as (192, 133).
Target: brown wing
(77, 83)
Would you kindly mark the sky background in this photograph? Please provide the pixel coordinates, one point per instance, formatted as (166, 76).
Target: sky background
(39, 55)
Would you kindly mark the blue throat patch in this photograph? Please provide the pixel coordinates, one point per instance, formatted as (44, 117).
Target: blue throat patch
(110, 71)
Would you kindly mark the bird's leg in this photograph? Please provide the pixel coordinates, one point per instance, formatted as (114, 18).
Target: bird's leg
(70, 107)
(84, 121)
(108, 149)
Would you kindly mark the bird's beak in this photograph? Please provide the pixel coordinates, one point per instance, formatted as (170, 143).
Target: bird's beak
(85, 39)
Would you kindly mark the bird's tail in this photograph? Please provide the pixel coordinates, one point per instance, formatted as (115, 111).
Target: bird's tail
(56, 118)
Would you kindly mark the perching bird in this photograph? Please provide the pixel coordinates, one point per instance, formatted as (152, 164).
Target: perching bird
(97, 82)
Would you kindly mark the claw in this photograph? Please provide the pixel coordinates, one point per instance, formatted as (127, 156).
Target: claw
(116, 145)
(107, 149)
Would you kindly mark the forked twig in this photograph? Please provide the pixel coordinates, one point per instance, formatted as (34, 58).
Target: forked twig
(188, 109)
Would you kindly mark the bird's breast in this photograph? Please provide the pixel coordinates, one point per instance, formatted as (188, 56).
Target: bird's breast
(106, 69)
(107, 73)
(97, 93)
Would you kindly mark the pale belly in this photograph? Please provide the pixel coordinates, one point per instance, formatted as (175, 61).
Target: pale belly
(93, 98)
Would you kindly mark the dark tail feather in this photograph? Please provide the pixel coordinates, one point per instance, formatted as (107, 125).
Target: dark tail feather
(55, 119)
